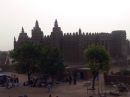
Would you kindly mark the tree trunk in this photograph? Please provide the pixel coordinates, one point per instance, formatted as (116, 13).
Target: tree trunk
(29, 77)
(95, 74)
(28, 73)
(101, 82)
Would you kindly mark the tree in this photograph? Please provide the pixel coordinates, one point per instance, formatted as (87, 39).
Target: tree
(32, 58)
(98, 60)
(27, 57)
(52, 62)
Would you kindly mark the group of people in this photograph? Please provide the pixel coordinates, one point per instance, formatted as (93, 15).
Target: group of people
(72, 78)
(12, 81)
(37, 82)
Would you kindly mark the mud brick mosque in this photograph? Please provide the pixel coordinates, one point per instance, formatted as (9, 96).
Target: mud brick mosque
(73, 44)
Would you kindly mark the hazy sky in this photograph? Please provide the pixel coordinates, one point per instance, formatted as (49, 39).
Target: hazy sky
(89, 15)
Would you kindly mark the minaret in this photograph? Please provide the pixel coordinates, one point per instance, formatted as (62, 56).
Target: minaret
(14, 39)
(56, 23)
(37, 34)
(56, 35)
(22, 30)
(14, 42)
(80, 31)
(56, 30)
(36, 24)
(23, 36)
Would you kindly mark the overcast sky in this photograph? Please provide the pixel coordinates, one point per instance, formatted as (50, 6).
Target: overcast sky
(89, 15)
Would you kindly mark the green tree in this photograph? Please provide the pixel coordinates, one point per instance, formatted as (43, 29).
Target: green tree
(52, 62)
(32, 58)
(27, 57)
(98, 60)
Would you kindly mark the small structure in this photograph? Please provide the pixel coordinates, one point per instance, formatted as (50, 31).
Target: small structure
(82, 72)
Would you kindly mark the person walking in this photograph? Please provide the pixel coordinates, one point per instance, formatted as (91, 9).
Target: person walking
(70, 80)
(49, 84)
(49, 87)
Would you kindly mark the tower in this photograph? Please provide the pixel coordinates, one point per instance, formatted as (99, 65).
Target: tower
(22, 36)
(56, 32)
(80, 31)
(56, 35)
(22, 39)
(118, 46)
(14, 42)
(37, 34)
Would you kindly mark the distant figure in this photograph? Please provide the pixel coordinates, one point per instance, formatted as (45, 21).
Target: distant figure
(75, 81)
(70, 80)
(17, 81)
(49, 84)
(8, 83)
(66, 79)
(75, 78)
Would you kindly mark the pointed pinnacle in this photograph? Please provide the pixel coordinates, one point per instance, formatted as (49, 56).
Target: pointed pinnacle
(56, 23)
(79, 30)
(22, 30)
(36, 24)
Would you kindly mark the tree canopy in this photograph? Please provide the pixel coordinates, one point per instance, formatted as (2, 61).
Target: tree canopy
(98, 59)
(51, 62)
(33, 58)
(27, 56)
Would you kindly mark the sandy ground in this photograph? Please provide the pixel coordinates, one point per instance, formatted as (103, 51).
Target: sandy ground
(60, 90)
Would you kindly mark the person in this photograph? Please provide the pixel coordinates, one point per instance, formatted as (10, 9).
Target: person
(17, 81)
(8, 83)
(70, 80)
(49, 87)
(75, 81)
(49, 84)
(75, 78)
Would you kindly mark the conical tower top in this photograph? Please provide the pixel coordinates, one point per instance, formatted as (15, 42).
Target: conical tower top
(22, 30)
(79, 30)
(56, 23)
(36, 24)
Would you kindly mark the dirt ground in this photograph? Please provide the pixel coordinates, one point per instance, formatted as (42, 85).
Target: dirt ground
(60, 90)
